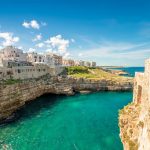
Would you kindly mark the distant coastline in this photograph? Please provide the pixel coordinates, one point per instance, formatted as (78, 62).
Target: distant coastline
(110, 67)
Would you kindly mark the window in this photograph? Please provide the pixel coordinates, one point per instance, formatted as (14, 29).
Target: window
(19, 71)
(139, 94)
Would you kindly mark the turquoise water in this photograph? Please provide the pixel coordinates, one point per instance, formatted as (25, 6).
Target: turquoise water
(132, 70)
(80, 122)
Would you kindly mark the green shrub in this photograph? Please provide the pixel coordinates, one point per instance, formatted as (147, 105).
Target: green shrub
(76, 69)
(12, 81)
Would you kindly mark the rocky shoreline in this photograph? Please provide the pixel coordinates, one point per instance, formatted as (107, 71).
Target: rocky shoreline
(14, 96)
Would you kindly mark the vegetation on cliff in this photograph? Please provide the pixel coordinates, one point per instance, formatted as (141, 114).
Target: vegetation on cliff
(93, 73)
(10, 81)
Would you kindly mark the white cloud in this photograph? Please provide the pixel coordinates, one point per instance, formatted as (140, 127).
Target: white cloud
(49, 50)
(26, 24)
(108, 52)
(20, 47)
(31, 50)
(58, 43)
(37, 38)
(8, 38)
(32, 24)
(40, 45)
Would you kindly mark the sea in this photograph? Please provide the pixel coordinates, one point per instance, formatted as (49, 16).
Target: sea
(80, 122)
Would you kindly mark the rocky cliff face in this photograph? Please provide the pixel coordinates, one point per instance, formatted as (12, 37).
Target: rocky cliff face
(134, 119)
(14, 96)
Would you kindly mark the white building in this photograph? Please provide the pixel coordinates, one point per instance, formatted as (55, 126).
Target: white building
(68, 62)
(13, 54)
(87, 64)
(36, 58)
(93, 64)
(18, 65)
(52, 60)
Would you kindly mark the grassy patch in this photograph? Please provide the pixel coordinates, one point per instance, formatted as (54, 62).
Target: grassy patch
(12, 81)
(76, 70)
(93, 73)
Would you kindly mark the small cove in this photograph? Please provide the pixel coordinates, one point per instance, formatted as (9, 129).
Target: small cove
(83, 121)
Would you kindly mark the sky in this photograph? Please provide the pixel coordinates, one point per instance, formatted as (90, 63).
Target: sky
(110, 32)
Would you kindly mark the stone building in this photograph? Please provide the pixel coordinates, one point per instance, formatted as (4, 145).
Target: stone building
(57, 59)
(14, 64)
(36, 58)
(68, 62)
(93, 64)
(81, 63)
(27, 72)
(77, 63)
(19, 70)
(49, 58)
(13, 54)
(11, 63)
(87, 63)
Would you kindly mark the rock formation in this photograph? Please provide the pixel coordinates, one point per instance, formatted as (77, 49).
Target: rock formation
(14, 96)
(134, 119)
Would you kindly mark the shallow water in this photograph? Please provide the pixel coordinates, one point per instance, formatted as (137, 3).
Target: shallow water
(131, 70)
(80, 122)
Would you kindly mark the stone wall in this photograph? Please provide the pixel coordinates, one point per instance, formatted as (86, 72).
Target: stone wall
(23, 72)
(134, 119)
(29, 72)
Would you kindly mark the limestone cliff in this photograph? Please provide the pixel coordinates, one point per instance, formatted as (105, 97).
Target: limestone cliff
(14, 96)
(134, 119)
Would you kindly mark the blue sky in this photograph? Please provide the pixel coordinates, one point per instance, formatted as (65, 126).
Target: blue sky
(110, 32)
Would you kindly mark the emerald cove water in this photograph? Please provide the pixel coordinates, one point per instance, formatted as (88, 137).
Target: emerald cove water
(80, 122)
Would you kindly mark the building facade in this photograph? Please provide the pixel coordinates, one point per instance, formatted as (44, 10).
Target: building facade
(93, 64)
(68, 62)
(13, 54)
(36, 58)
(16, 64)
(48, 58)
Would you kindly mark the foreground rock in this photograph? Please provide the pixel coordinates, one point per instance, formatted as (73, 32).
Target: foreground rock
(134, 119)
(14, 96)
